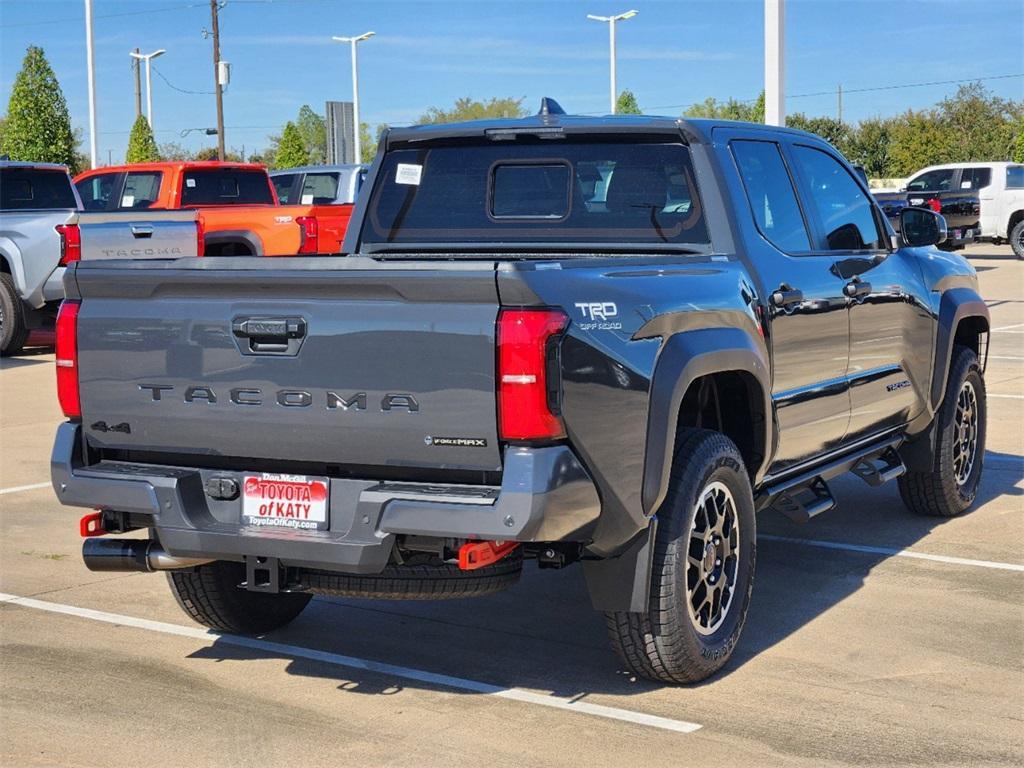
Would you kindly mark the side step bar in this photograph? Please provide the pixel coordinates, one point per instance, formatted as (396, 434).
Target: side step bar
(802, 495)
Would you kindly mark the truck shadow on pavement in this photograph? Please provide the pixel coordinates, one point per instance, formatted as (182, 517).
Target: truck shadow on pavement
(542, 634)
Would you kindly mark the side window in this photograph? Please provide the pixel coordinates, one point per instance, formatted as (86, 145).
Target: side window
(1015, 177)
(95, 191)
(141, 190)
(283, 187)
(975, 178)
(319, 189)
(933, 181)
(771, 196)
(844, 211)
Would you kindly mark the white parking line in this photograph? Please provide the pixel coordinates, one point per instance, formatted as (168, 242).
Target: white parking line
(1005, 328)
(325, 657)
(1005, 357)
(1007, 397)
(20, 488)
(893, 552)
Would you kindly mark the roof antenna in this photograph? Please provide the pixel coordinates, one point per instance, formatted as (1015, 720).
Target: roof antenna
(549, 106)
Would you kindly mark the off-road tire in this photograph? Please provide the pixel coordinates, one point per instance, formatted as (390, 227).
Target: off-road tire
(663, 644)
(419, 578)
(13, 331)
(210, 595)
(1017, 239)
(935, 492)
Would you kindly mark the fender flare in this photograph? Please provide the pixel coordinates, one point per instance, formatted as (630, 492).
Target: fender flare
(235, 236)
(955, 305)
(13, 263)
(686, 357)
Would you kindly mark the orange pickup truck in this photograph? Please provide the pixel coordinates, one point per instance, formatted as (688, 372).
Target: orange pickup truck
(239, 212)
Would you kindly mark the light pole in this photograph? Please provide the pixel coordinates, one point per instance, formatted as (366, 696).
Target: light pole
(355, 89)
(775, 62)
(611, 40)
(92, 83)
(146, 57)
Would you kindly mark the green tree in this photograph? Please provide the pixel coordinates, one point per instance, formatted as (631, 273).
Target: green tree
(210, 153)
(978, 125)
(172, 150)
(1018, 152)
(367, 142)
(291, 152)
(917, 139)
(468, 109)
(831, 130)
(141, 144)
(626, 104)
(869, 145)
(313, 130)
(749, 111)
(38, 126)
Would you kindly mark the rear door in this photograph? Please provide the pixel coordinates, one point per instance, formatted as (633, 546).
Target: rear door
(809, 324)
(259, 364)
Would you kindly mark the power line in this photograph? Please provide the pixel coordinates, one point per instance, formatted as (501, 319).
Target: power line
(98, 16)
(850, 90)
(181, 90)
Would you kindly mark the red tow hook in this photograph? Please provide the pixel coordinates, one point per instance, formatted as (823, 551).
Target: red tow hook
(91, 525)
(478, 554)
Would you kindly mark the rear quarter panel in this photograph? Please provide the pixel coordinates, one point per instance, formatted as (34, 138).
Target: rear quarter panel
(272, 226)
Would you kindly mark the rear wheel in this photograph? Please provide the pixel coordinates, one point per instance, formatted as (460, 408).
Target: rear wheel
(703, 569)
(210, 595)
(1017, 239)
(949, 487)
(13, 331)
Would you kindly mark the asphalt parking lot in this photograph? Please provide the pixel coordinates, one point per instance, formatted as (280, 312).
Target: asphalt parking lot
(875, 638)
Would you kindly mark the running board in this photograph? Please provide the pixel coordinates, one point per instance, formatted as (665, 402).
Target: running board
(875, 463)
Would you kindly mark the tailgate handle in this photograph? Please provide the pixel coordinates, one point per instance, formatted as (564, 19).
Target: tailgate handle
(142, 230)
(270, 335)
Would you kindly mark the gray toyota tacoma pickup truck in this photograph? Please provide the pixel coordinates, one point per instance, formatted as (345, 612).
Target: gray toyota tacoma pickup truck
(561, 339)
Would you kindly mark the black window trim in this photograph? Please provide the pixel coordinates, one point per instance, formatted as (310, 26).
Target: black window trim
(820, 236)
(796, 196)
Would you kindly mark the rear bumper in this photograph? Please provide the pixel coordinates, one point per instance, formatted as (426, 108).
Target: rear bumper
(545, 495)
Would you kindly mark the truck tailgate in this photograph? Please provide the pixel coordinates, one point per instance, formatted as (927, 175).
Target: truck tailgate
(143, 234)
(338, 361)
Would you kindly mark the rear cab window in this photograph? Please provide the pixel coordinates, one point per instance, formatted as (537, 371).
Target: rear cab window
(283, 183)
(225, 186)
(141, 190)
(1015, 177)
(975, 178)
(319, 189)
(940, 180)
(565, 193)
(34, 189)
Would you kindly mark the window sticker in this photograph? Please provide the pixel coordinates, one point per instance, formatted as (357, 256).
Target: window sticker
(128, 201)
(190, 182)
(307, 199)
(408, 173)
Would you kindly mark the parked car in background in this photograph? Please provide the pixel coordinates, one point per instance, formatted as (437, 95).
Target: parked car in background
(336, 186)
(36, 202)
(981, 201)
(238, 209)
(42, 230)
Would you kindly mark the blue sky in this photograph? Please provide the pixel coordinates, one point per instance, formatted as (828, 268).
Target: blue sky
(674, 53)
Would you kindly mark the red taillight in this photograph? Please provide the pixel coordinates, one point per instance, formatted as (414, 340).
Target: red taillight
(67, 360)
(525, 390)
(70, 243)
(310, 239)
(200, 237)
(935, 204)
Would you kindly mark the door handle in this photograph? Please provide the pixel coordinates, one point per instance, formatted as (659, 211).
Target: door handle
(785, 295)
(272, 335)
(856, 288)
(142, 230)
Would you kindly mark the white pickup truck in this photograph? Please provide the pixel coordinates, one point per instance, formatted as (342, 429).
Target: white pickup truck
(42, 229)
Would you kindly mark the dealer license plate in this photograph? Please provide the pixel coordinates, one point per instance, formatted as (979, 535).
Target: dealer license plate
(297, 502)
(958, 234)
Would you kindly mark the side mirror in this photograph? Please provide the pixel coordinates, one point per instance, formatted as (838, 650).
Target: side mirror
(921, 226)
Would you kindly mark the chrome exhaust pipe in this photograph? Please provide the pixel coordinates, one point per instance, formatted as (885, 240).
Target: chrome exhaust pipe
(133, 555)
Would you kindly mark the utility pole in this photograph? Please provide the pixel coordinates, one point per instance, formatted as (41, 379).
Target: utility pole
(839, 97)
(138, 84)
(216, 80)
(774, 62)
(93, 160)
